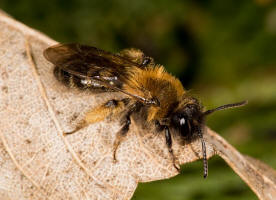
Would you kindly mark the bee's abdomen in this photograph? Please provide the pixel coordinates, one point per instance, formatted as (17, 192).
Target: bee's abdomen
(73, 81)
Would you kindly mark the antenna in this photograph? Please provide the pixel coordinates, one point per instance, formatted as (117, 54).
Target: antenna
(200, 135)
(223, 107)
(204, 156)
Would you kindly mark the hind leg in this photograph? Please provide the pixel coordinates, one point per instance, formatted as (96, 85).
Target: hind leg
(110, 108)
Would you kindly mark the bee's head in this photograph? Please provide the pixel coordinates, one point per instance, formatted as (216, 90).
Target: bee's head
(189, 120)
(187, 116)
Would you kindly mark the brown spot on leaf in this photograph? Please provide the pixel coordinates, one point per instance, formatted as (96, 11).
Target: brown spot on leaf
(5, 89)
(74, 117)
(28, 141)
(24, 54)
(5, 75)
(58, 112)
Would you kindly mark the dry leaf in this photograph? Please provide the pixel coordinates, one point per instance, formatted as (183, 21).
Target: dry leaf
(260, 177)
(38, 162)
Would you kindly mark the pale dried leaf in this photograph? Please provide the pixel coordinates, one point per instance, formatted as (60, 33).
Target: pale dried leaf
(259, 177)
(38, 162)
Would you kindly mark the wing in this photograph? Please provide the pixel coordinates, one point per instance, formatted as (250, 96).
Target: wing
(88, 67)
(89, 62)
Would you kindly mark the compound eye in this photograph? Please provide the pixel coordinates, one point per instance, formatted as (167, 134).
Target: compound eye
(182, 121)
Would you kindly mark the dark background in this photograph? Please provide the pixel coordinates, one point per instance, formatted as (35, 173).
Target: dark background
(224, 51)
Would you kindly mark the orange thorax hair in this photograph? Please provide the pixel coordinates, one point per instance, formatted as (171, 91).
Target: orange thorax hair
(155, 82)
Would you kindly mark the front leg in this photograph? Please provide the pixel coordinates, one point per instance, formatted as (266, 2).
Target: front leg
(168, 138)
(169, 145)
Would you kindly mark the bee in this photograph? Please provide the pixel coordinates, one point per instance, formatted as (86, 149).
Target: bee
(149, 91)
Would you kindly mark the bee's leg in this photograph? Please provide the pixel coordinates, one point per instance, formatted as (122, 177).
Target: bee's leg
(111, 107)
(82, 124)
(137, 56)
(120, 135)
(123, 131)
(169, 145)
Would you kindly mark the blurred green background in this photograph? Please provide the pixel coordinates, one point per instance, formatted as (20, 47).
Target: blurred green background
(224, 51)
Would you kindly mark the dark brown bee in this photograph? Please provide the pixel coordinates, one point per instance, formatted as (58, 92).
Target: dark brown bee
(158, 97)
